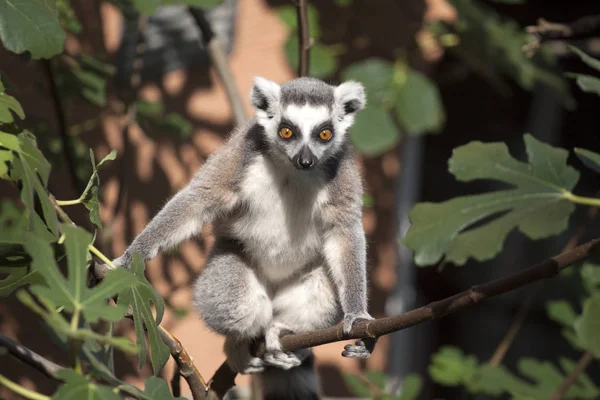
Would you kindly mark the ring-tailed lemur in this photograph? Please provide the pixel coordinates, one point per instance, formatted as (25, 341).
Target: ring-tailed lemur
(285, 199)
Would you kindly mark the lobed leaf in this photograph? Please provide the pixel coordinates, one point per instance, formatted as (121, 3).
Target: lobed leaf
(357, 386)
(562, 312)
(76, 387)
(158, 389)
(411, 387)
(537, 205)
(31, 168)
(587, 83)
(31, 25)
(138, 295)
(72, 292)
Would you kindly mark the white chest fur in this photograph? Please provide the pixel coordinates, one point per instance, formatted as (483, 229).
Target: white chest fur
(280, 223)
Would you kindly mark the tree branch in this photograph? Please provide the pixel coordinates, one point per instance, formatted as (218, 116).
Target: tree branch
(219, 60)
(30, 357)
(564, 386)
(544, 270)
(188, 370)
(303, 37)
(586, 27)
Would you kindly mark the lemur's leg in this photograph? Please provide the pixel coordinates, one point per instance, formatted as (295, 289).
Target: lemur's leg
(309, 304)
(232, 302)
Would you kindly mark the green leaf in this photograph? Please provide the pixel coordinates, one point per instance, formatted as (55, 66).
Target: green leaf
(583, 387)
(138, 295)
(357, 386)
(18, 277)
(587, 59)
(374, 131)
(411, 387)
(67, 16)
(588, 158)
(590, 273)
(562, 312)
(322, 61)
(418, 105)
(158, 389)
(72, 292)
(450, 367)
(32, 169)
(378, 378)
(587, 83)
(89, 197)
(377, 76)
(587, 326)
(149, 108)
(31, 25)
(537, 205)
(77, 387)
(8, 105)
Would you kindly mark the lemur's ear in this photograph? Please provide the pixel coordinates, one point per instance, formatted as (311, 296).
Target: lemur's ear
(264, 93)
(350, 97)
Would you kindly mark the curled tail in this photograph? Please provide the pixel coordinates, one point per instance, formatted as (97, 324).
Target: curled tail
(299, 383)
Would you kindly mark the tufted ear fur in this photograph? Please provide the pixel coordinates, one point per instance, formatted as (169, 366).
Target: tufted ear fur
(264, 94)
(350, 97)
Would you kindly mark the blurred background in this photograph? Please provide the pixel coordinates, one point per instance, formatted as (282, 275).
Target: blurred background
(146, 85)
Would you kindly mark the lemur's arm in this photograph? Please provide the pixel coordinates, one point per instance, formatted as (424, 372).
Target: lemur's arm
(345, 247)
(345, 253)
(210, 193)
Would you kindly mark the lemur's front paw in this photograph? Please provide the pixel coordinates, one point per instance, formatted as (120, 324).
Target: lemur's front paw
(360, 349)
(351, 318)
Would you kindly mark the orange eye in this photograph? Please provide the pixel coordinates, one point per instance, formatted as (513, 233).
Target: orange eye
(325, 134)
(286, 133)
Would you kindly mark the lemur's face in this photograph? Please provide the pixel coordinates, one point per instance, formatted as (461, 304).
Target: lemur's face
(306, 119)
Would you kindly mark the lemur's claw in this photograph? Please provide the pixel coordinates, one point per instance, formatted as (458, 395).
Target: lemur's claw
(280, 359)
(360, 349)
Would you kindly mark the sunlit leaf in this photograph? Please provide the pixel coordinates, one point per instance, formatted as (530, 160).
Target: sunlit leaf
(149, 7)
(138, 295)
(67, 16)
(31, 25)
(537, 205)
(450, 367)
(72, 292)
(588, 158)
(377, 76)
(587, 325)
(590, 273)
(31, 168)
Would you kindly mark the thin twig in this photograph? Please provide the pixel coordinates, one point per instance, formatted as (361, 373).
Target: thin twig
(63, 129)
(521, 316)
(29, 357)
(219, 59)
(303, 38)
(546, 269)
(564, 386)
(586, 27)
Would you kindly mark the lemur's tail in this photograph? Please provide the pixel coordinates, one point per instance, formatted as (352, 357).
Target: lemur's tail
(299, 383)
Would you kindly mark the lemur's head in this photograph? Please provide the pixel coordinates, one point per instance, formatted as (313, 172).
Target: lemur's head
(306, 119)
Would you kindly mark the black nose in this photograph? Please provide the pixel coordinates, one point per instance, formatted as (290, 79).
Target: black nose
(305, 163)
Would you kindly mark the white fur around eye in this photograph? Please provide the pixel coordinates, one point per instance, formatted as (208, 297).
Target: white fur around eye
(306, 118)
